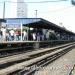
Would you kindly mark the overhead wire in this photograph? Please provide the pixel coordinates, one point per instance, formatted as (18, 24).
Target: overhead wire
(36, 1)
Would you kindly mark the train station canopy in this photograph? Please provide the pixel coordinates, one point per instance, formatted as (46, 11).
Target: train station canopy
(35, 23)
(44, 24)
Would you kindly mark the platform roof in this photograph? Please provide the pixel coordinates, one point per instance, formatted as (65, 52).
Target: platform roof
(48, 25)
(37, 23)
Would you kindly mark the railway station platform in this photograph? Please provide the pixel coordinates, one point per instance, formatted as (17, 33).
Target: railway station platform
(33, 44)
(12, 47)
(40, 28)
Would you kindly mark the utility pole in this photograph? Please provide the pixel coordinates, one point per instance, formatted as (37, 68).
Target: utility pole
(36, 13)
(4, 10)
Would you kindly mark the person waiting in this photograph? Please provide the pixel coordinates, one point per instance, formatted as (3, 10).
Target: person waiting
(24, 35)
(3, 30)
(11, 34)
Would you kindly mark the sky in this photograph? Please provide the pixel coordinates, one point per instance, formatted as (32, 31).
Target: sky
(56, 12)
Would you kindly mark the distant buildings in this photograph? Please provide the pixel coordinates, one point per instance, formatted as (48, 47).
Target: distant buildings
(18, 9)
(21, 9)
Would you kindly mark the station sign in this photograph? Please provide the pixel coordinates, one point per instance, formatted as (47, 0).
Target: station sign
(13, 25)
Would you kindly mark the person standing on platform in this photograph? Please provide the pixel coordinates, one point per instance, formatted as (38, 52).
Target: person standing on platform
(34, 36)
(7, 35)
(11, 34)
(16, 36)
(3, 30)
(47, 35)
(0, 34)
(38, 36)
(24, 35)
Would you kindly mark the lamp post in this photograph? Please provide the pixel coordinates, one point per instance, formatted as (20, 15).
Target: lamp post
(36, 13)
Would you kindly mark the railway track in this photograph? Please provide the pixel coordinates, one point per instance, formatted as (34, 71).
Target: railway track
(29, 55)
(44, 62)
(17, 63)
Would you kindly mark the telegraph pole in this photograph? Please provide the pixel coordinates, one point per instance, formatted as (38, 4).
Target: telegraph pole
(4, 10)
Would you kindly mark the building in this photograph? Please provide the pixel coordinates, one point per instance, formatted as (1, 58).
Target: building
(21, 9)
(18, 9)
